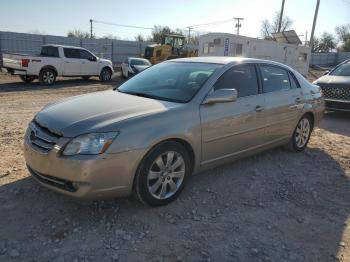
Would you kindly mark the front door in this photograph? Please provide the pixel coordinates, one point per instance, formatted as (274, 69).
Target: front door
(72, 63)
(89, 64)
(234, 127)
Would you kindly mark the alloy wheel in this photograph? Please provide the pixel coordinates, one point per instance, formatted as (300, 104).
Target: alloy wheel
(166, 175)
(302, 132)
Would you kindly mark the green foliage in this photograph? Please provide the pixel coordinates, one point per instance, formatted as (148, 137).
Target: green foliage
(326, 43)
(79, 34)
(343, 33)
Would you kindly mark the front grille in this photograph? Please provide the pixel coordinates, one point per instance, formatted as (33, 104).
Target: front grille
(336, 92)
(53, 181)
(41, 138)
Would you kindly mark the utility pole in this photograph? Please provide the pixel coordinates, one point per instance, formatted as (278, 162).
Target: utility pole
(189, 33)
(238, 24)
(281, 17)
(314, 25)
(91, 28)
(306, 38)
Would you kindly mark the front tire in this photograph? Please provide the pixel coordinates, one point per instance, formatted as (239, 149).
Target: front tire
(162, 174)
(27, 79)
(301, 135)
(47, 77)
(106, 74)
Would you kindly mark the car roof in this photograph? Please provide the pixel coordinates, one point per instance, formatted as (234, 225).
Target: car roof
(225, 60)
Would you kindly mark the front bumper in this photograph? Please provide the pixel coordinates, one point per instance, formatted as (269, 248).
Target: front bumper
(84, 176)
(337, 105)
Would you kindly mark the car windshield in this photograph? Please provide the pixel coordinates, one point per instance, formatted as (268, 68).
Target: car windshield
(139, 62)
(170, 81)
(342, 70)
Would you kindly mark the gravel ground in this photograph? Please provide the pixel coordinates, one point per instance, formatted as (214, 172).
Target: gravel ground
(275, 206)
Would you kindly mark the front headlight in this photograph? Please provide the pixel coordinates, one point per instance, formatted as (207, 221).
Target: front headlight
(89, 144)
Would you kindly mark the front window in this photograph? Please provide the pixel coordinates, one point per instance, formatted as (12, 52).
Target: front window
(170, 81)
(342, 70)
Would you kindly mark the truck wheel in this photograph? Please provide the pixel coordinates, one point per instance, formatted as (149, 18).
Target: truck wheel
(27, 79)
(106, 75)
(47, 77)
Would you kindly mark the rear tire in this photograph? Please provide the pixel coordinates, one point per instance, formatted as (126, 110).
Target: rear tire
(106, 74)
(301, 134)
(162, 174)
(27, 79)
(47, 77)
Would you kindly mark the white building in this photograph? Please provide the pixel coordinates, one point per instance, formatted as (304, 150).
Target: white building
(223, 44)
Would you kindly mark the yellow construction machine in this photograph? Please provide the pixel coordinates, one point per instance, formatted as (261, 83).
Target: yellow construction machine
(172, 47)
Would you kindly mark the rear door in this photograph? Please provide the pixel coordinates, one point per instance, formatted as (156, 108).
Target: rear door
(89, 64)
(283, 101)
(234, 127)
(72, 64)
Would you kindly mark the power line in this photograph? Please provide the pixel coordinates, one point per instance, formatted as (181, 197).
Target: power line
(121, 25)
(212, 23)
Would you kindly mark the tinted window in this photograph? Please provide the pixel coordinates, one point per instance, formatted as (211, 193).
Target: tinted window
(139, 62)
(342, 70)
(49, 51)
(172, 81)
(86, 55)
(242, 78)
(274, 78)
(71, 53)
(293, 81)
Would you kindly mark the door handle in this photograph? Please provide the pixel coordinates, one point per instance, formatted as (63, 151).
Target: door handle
(259, 108)
(298, 100)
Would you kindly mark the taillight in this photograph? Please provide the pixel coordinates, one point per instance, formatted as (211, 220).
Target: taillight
(25, 62)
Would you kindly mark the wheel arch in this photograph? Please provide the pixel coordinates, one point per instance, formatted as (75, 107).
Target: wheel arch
(108, 67)
(311, 115)
(50, 67)
(188, 147)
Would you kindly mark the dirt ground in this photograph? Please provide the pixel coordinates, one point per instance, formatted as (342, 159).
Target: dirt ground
(275, 206)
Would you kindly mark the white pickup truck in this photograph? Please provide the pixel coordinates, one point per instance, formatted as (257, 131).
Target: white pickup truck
(57, 60)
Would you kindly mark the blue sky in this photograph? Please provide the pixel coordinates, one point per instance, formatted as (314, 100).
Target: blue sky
(58, 17)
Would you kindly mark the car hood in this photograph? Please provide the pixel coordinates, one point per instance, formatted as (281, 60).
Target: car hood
(96, 112)
(333, 80)
(104, 60)
(140, 68)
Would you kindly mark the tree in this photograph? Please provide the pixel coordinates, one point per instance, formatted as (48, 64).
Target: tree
(139, 38)
(325, 43)
(343, 33)
(158, 33)
(79, 34)
(269, 27)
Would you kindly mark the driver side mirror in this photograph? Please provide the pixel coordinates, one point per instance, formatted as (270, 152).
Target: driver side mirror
(326, 72)
(221, 96)
(92, 58)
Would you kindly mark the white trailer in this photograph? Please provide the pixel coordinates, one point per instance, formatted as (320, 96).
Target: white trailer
(223, 44)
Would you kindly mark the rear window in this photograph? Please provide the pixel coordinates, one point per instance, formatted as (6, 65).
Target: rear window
(49, 51)
(71, 52)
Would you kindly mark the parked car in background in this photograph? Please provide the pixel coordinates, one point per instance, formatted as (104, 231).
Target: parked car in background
(134, 65)
(57, 60)
(176, 118)
(335, 86)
